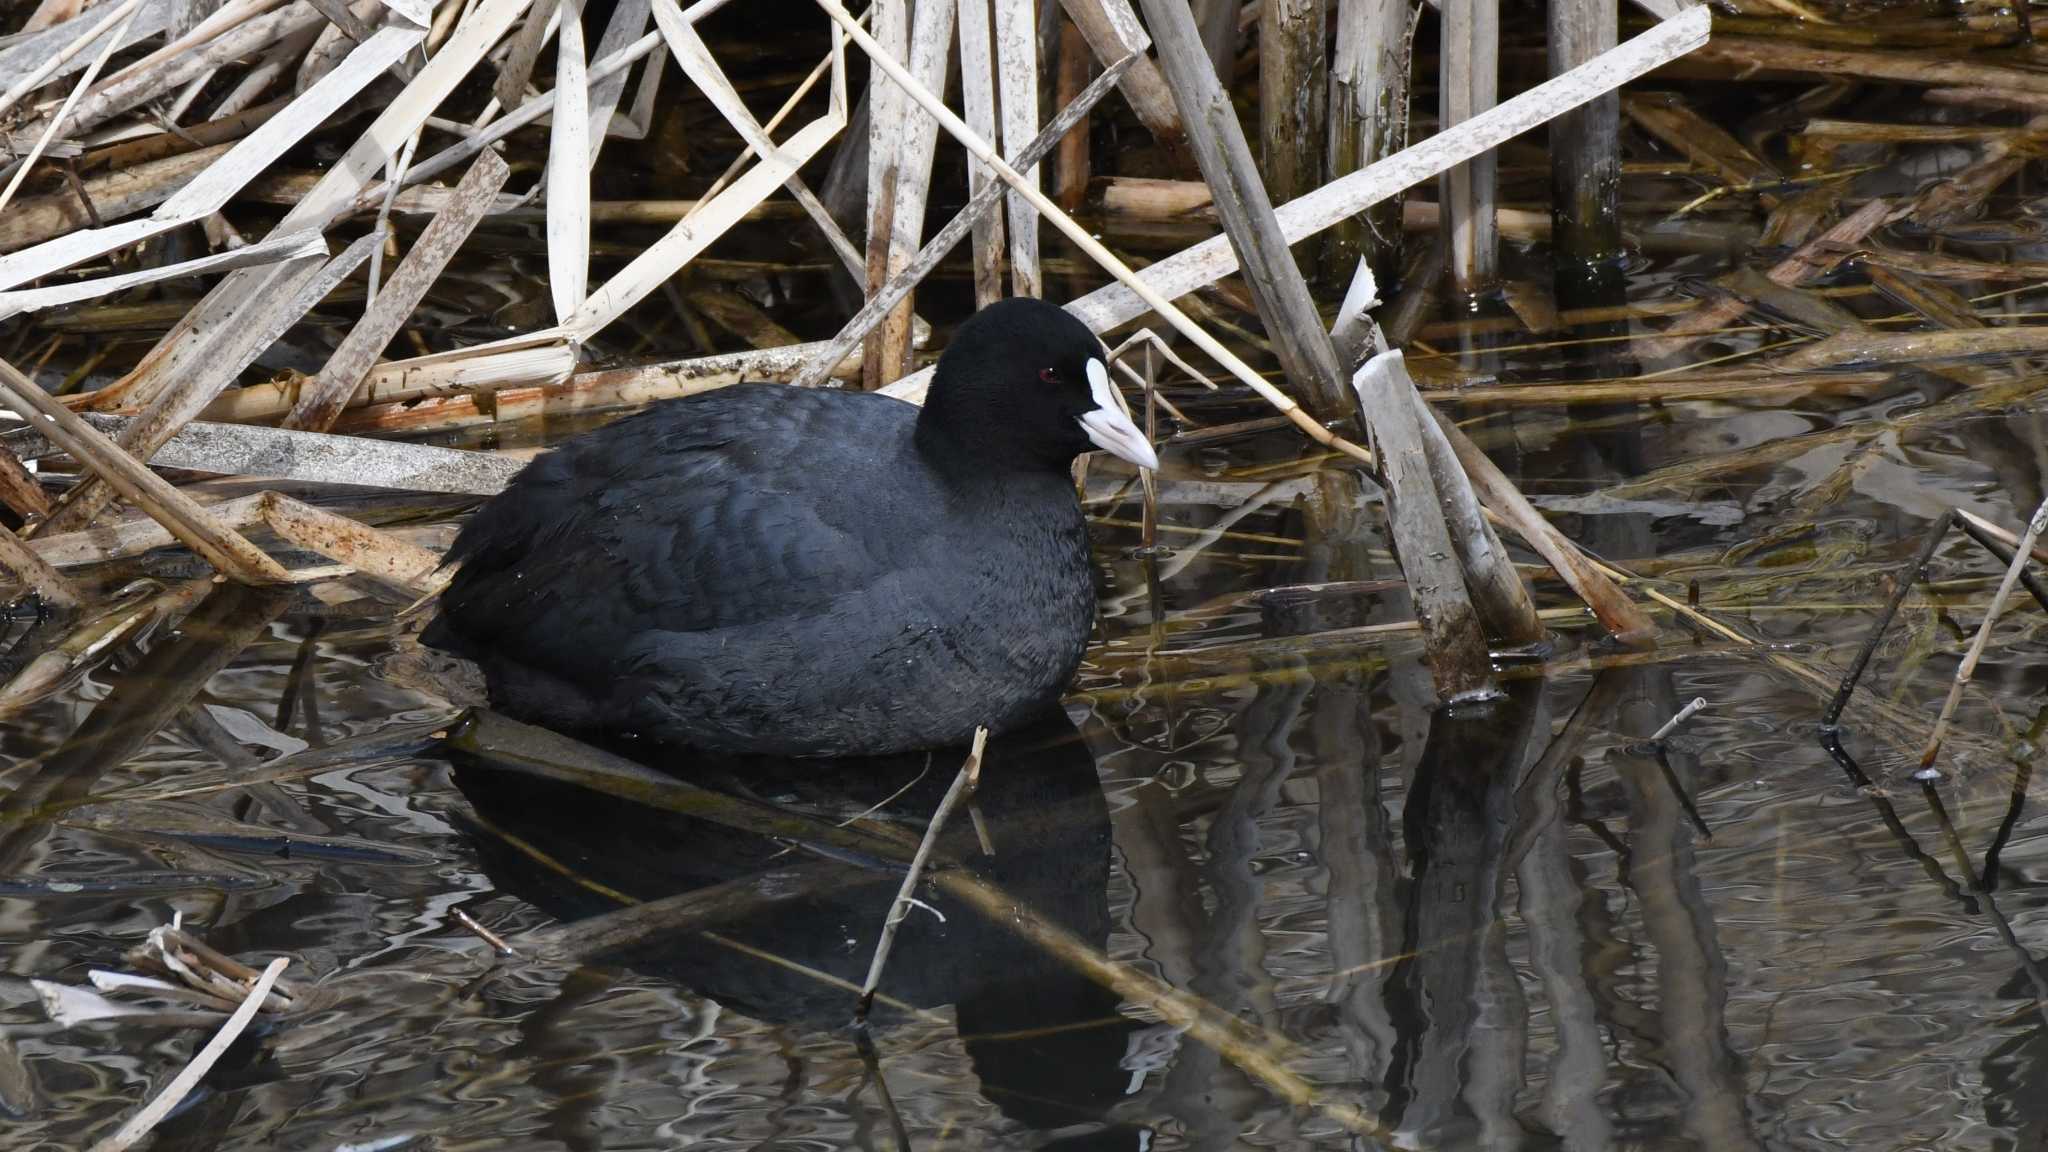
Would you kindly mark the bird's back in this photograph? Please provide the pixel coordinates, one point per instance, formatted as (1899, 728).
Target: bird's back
(765, 569)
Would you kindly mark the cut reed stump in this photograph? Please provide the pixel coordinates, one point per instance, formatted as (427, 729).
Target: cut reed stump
(1451, 639)
(1470, 85)
(1016, 48)
(1585, 151)
(978, 99)
(1293, 94)
(1368, 122)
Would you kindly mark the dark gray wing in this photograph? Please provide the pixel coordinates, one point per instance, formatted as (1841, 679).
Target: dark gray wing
(724, 510)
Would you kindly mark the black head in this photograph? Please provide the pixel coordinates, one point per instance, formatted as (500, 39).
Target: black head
(1026, 385)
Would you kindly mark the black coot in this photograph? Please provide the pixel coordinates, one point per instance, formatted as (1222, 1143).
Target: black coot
(773, 570)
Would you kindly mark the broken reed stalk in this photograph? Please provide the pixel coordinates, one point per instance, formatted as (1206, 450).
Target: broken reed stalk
(1451, 639)
(34, 573)
(188, 1078)
(825, 361)
(2022, 552)
(1112, 32)
(322, 399)
(1907, 577)
(1016, 50)
(890, 22)
(1678, 719)
(228, 552)
(978, 99)
(1307, 357)
(963, 786)
(1506, 610)
(377, 555)
(385, 557)
(1617, 613)
(285, 294)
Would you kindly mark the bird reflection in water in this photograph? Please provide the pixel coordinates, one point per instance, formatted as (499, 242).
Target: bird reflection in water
(1047, 1044)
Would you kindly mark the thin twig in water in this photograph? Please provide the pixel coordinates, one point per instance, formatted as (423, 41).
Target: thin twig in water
(900, 907)
(1906, 579)
(1968, 667)
(496, 941)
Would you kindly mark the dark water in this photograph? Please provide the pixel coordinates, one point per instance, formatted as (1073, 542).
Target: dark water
(1515, 927)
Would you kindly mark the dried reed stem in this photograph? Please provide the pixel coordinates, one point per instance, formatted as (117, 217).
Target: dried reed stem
(324, 397)
(188, 1078)
(1422, 541)
(1307, 357)
(1468, 86)
(24, 564)
(830, 354)
(963, 786)
(1085, 241)
(1906, 578)
(229, 553)
(2022, 552)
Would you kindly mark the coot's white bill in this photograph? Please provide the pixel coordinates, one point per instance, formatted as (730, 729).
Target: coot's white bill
(1107, 426)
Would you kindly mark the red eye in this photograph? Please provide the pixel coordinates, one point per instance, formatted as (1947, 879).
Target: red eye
(1048, 375)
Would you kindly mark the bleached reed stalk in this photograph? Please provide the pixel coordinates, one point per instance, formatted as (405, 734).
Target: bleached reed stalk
(56, 124)
(2022, 552)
